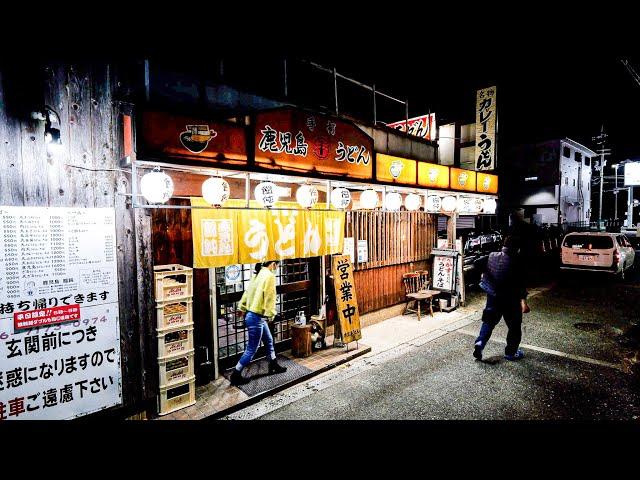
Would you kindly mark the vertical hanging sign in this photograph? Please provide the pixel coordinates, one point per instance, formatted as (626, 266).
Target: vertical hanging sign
(486, 129)
(59, 325)
(346, 300)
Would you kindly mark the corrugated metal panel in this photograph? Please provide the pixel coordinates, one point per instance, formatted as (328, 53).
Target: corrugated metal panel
(466, 221)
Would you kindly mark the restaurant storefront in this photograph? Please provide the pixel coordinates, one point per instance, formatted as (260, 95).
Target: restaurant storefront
(292, 186)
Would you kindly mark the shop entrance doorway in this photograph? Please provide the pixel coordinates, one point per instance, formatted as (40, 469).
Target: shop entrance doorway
(298, 288)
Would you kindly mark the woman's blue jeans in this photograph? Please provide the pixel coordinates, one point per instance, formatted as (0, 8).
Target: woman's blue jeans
(258, 330)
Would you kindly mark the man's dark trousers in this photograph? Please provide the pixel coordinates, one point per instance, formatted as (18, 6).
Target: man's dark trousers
(496, 308)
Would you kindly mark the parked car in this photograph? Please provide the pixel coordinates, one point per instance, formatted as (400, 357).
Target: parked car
(597, 251)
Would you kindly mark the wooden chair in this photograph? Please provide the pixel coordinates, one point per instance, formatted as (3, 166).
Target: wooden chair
(416, 285)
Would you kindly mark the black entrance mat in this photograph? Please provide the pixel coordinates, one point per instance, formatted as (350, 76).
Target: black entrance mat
(261, 381)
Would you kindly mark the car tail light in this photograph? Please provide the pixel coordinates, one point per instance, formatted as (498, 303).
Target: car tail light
(616, 258)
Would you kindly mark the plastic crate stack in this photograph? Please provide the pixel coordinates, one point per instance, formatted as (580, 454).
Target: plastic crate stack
(173, 286)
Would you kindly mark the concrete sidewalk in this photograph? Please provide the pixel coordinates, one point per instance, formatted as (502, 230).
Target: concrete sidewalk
(406, 329)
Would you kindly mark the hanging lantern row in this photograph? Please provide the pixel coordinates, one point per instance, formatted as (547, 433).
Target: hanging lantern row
(157, 188)
(463, 204)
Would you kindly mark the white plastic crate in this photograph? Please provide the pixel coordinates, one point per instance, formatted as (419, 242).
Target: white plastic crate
(176, 397)
(174, 313)
(175, 341)
(172, 282)
(175, 370)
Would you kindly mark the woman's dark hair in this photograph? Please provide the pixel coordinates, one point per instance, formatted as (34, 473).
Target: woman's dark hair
(263, 264)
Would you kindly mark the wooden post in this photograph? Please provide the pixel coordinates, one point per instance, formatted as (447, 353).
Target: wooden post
(301, 340)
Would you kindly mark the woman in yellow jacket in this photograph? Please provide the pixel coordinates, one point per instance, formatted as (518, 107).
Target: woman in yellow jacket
(259, 303)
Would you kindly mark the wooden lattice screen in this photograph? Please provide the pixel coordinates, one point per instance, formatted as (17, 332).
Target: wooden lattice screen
(392, 237)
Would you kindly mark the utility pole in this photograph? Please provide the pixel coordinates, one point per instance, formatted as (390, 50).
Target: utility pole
(601, 140)
(615, 192)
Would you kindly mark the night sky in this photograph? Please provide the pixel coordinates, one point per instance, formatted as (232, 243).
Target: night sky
(543, 94)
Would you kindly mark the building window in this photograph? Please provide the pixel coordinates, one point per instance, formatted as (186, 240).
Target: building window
(587, 161)
(566, 152)
(578, 157)
(566, 180)
(574, 182)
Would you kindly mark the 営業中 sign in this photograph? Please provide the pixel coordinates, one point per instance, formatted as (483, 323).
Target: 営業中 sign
(346, 300)
(59, 325)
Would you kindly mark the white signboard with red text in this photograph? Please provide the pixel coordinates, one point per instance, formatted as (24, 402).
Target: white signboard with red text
(423, 126)
(59, 325)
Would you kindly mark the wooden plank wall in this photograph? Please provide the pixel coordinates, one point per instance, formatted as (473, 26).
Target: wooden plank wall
(382, 287)
(85, 173)
(173, 243)
(398, 243)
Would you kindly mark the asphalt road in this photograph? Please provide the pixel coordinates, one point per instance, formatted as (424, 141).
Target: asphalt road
(574, 340)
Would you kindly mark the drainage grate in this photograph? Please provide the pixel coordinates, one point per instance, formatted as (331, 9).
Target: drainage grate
(588, 326)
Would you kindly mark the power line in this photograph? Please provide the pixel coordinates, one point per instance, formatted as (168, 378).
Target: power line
(631, 70)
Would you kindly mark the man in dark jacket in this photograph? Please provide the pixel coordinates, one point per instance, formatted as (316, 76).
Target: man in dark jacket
(504, 282)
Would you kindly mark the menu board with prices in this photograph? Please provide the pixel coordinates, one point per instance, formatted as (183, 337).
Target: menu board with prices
(59, 325)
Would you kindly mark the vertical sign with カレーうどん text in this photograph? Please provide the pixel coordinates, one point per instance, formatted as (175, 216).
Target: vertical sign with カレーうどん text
(346, 300)
(486, 129)
(59, 318)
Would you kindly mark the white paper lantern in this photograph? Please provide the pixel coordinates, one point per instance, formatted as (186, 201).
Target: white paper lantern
(434, 203)
(392, 201)
(464, 205)
(215, 191)
(369, 199)
(156, 186)
(412, 202)
(340, 198)
(489, 205)
(449, 204)
(266, 193)
(307, 196)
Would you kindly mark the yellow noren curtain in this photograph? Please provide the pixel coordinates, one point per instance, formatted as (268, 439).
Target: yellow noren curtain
(223, 237)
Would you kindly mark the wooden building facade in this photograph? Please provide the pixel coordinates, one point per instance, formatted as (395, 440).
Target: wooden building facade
(92, 168)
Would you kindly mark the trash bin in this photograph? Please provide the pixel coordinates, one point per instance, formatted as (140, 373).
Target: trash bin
(442, 303)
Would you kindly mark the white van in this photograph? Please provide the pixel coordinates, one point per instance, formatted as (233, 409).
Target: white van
(597, 251)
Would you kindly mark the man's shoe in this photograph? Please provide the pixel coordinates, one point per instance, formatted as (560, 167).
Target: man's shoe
(516, 356)
(275, 368)
(477, 351)
(237, 378)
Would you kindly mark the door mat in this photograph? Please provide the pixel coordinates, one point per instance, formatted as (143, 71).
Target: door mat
(261, 381)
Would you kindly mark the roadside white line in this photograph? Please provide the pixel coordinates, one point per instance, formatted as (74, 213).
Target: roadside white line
(549, 351)
(353, 368)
